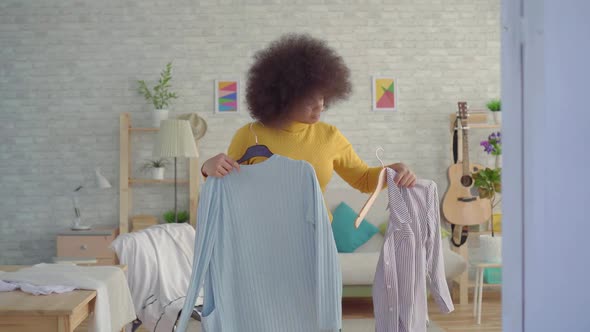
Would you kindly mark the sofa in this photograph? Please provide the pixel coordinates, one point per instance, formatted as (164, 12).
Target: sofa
(358, 267)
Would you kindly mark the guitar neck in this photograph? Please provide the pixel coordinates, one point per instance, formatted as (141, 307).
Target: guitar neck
(462, 114)
(465, 141)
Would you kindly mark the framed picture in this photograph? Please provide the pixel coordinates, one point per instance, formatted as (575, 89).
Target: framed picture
(385, 95)
(227, 96)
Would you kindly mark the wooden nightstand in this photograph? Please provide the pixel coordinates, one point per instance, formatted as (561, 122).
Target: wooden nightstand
(20, 311)
(92, 243)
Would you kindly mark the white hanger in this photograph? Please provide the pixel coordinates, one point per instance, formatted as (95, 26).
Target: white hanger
(253, 133)
(381, 182)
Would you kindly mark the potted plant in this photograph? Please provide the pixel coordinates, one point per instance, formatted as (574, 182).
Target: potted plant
(488, 184)
(182, 216)
(160, 96)
(157, 167)
(495, 106)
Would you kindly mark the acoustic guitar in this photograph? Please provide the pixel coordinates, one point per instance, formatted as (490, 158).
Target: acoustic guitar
(461, 203)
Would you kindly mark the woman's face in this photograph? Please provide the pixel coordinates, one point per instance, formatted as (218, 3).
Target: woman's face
(309, 109)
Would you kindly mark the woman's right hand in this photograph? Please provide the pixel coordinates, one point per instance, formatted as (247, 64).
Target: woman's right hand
(219, 166)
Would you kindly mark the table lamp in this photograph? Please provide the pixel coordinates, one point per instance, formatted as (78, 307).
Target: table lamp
(175, 139)
(100, 182)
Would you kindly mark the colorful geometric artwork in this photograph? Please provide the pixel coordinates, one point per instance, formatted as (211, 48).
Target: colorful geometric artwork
(226, 96)
(384, 94)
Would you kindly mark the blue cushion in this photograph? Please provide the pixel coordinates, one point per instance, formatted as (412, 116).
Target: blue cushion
(348, 238)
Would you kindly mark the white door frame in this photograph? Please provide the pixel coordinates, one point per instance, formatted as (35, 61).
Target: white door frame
(523, 104)
(512, 172)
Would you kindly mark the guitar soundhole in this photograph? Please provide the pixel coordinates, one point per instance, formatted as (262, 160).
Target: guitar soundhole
(466, 180)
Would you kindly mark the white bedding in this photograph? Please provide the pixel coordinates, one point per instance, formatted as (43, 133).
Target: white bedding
(159, 261)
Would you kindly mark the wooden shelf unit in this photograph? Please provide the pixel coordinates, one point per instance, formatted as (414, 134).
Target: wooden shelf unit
(474, 125)
(153, 181)
(144, 129)
(463, 279)
(126, 182)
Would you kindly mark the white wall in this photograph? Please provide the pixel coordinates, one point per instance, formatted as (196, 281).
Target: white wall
(548, 286)
(69, 68)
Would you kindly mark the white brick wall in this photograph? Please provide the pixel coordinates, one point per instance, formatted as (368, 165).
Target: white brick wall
(69, 68)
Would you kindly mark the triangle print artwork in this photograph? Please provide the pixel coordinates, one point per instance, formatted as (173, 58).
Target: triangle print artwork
(385, 96)
(226, 96)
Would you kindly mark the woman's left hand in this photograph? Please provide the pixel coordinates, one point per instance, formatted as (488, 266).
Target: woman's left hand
(404, 177)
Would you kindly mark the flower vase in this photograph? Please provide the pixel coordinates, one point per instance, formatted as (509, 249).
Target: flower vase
(157, 116)
(158, 173)
(491, 248)
(498, 161)
(497, 117)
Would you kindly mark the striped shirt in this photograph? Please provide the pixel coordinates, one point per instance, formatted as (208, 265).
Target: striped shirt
(266, 253)
(410, 261)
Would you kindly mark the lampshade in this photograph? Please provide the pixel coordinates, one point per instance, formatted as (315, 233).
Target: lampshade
(175, 139)
(101, 181)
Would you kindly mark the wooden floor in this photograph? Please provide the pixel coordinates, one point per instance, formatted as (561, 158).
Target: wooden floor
(460, 320)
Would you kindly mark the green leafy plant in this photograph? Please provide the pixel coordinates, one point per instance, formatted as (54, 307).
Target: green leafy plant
(489, 182)
(494, 105)
(153, 163)
(181, 215)
(160, 96)
(444, 233)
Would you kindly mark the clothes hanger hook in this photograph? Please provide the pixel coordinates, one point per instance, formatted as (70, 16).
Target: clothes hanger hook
(378, 157)
(253, 133)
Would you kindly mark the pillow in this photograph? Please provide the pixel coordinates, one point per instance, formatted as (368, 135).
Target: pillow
(454, 263)
(347, 237)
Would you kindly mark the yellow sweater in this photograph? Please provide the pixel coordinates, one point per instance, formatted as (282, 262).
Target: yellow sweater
(320, 144)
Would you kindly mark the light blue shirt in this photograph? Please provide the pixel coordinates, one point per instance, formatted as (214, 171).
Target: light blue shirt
(266, 252)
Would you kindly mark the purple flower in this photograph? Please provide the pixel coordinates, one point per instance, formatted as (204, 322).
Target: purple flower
(494, 136)
(493, 145)
(487, 146)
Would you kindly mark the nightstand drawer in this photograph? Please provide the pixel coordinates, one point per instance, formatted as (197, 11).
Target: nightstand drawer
(85, 246)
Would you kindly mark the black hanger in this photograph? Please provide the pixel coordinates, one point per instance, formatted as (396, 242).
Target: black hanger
(256, 150)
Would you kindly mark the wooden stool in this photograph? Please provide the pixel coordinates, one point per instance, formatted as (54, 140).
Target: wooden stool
(477, 292)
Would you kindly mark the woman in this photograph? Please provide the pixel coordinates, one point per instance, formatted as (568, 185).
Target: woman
(289, 85)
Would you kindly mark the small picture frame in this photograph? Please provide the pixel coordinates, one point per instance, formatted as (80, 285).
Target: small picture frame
(227, 96)
(384, 93)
